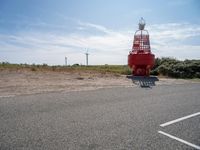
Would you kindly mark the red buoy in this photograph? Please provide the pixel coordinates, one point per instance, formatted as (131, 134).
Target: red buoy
(140, 59)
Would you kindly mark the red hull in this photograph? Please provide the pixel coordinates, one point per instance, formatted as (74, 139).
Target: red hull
(141, 63)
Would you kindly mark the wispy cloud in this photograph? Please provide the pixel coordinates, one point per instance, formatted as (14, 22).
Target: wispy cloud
(174, 31)
(94, 26)
(110, 47)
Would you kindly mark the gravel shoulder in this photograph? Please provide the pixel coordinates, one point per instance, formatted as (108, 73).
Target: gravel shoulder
(22, 82)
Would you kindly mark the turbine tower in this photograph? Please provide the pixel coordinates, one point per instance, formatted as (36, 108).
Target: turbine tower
(65, 60)
(86, 54)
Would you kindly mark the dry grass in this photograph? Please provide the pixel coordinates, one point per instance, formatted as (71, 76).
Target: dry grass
(114, 69)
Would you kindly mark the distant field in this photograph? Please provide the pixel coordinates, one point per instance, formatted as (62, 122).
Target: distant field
(167, 67)
(116, 69)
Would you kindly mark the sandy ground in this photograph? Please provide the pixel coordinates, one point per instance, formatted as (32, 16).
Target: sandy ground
(20, 82)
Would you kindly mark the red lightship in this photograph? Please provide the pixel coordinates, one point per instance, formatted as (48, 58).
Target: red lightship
(140, 59)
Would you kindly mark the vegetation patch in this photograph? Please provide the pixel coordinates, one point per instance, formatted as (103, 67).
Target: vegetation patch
(175, 68)
(169, 67)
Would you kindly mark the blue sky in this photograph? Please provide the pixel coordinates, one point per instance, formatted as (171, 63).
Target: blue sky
(45, 31)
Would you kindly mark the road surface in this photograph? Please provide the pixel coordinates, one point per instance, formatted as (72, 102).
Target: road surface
(161, 117)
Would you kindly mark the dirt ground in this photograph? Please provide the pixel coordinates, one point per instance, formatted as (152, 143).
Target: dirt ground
(22, 82)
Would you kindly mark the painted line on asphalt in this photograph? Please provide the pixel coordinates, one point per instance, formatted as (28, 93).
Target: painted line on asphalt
(180, 140)
(179, 119)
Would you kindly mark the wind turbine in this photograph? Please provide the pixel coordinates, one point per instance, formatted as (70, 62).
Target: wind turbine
(86, 54)
(65, 60)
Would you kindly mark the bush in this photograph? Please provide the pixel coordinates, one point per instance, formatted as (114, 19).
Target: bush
(154, 72)
(33, 69)
(75, 65)
(177, 69)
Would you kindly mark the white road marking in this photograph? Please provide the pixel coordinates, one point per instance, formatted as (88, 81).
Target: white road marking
(180, 119)
(180, 140)
(7, 96)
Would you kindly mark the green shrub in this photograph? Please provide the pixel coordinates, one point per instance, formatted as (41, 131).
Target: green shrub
(175, 68)
(33, 69)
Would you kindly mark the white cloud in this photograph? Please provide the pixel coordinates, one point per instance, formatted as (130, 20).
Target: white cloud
(174, 31)
(95, 26)
(179, 51)
(111, 47)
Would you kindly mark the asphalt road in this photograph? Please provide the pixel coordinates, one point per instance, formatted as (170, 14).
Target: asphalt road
(114, 118)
